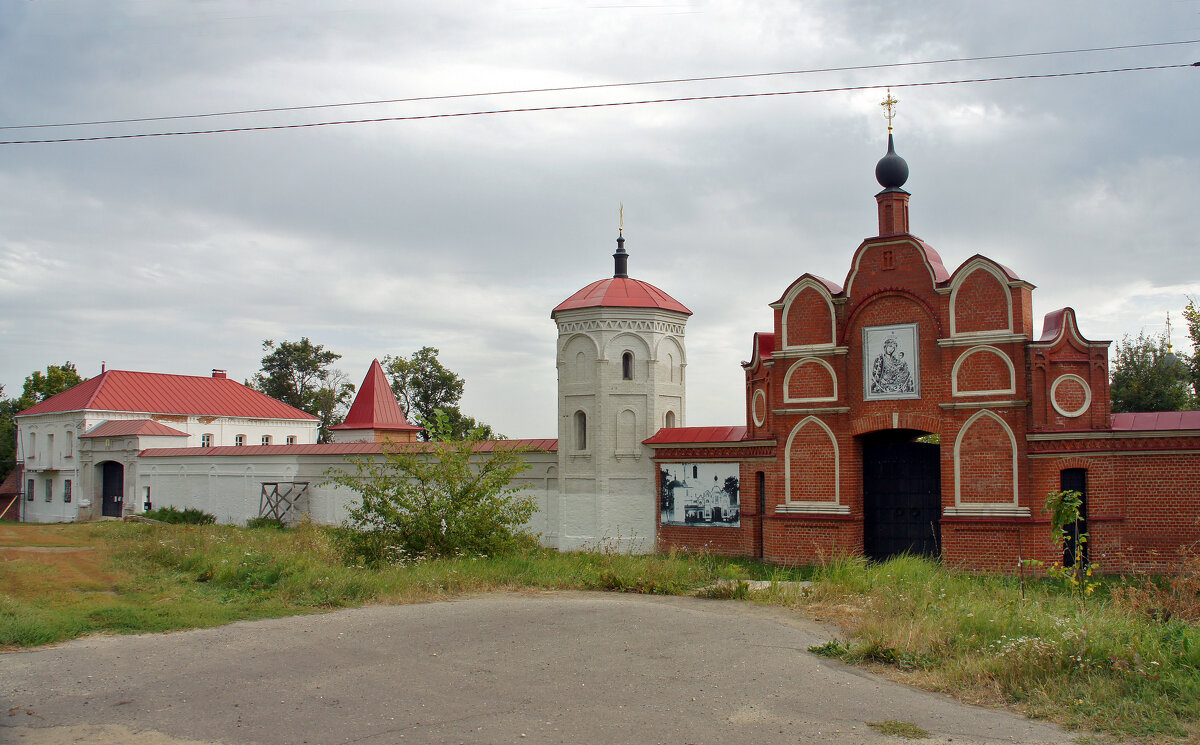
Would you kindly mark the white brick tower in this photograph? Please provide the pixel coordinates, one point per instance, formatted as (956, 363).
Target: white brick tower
(621, 362)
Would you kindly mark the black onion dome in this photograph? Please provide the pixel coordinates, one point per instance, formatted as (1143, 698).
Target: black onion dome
(891, 171)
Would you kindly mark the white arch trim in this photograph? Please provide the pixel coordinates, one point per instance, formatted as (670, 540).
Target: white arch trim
(835, 507)
(1087, 395)
(626, 341)
(566, 344)
(804, 284)
(1011, 508)
(960, 279)
(674, 341)
(1012, 373)
(808, 360)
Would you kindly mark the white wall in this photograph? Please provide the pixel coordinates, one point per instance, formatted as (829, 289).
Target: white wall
(230, 486)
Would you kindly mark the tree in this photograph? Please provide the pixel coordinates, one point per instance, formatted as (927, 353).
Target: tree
(446, 498)
(300, 375)
(1192, 316)
(423, 386)
(1146, 378)
(38, 387)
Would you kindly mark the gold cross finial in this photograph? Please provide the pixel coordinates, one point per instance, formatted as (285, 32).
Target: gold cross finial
(889, 103)
(621, 214)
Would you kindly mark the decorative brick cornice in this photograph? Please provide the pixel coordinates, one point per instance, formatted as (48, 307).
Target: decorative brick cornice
(1114, 445)
(708, 452)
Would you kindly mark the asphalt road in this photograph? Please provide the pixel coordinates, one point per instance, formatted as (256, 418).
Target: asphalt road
(550, 668)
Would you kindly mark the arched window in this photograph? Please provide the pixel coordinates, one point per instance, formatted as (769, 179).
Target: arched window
(669, 420)
(580, 431)
(627, 366)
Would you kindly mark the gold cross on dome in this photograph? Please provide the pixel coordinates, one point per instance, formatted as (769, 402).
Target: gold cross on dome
(889, 103)
(621, 215)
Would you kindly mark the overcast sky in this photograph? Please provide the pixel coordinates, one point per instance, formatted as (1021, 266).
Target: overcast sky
(180, 254)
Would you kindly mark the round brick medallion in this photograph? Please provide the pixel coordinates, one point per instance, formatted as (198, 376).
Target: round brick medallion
(759, 407)
(1070, 395)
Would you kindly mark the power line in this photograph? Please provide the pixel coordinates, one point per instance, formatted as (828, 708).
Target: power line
(609, 104)
(596, 86)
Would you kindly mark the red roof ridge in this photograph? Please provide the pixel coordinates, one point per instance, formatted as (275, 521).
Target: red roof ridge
(127, 427)
(375, 406)
(167, 393)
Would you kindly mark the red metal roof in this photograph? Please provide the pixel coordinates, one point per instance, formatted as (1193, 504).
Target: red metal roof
(126, 427)
(621, 292)
(158, 393)
(1159, 420)
(341, 448)
(689, 435)
(375, 406)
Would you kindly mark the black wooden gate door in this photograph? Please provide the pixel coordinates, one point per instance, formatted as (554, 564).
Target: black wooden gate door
(902, 499)
(112, 489)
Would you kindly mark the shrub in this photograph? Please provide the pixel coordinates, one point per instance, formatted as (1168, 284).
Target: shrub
(265, 522)
(444, 498)
(188, 516)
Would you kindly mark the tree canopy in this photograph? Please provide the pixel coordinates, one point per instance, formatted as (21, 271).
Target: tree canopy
(424, 386)
(1146, 378)
(301, 374)
(38, 387)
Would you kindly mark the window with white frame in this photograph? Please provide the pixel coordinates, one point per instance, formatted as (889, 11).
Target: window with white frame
(266, 439)
(67, 491)
(49, 490)
(206, 440)
(29, 487)
(239, 440)
(291, 439)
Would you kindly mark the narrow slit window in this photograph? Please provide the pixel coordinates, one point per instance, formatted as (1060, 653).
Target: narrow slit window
(580, 431)
(627, 366)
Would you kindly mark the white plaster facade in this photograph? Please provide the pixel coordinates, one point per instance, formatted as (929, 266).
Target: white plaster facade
(53, 452)
(621, 377)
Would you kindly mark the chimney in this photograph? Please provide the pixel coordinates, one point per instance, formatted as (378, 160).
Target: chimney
(219, 373)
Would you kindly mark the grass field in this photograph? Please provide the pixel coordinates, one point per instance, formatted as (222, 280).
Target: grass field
(1123, 662)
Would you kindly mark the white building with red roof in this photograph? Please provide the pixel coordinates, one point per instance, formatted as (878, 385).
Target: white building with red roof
(79, 449)
(621, 363)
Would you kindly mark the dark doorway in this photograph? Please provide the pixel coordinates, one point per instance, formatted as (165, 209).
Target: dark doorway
(1075, 479)
(902, 497)
(112, 489)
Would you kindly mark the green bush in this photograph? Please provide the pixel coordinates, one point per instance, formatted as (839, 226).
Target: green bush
(265, 522)
(186, 516)
(441, 499)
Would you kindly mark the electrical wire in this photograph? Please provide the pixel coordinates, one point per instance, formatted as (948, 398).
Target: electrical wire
(597, 86)
(570, 107)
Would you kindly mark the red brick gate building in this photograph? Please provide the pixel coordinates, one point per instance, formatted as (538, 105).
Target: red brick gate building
(911, 408)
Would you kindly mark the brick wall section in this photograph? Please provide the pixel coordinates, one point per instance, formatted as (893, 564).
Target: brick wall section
(1143, 491)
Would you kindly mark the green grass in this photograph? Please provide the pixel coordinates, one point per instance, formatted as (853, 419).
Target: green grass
(1086, 662)
(1108, 662)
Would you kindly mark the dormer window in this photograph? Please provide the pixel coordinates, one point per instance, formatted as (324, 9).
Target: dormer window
(627, 366)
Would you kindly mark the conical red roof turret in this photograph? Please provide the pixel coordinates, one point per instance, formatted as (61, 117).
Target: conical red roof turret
(375, 407)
